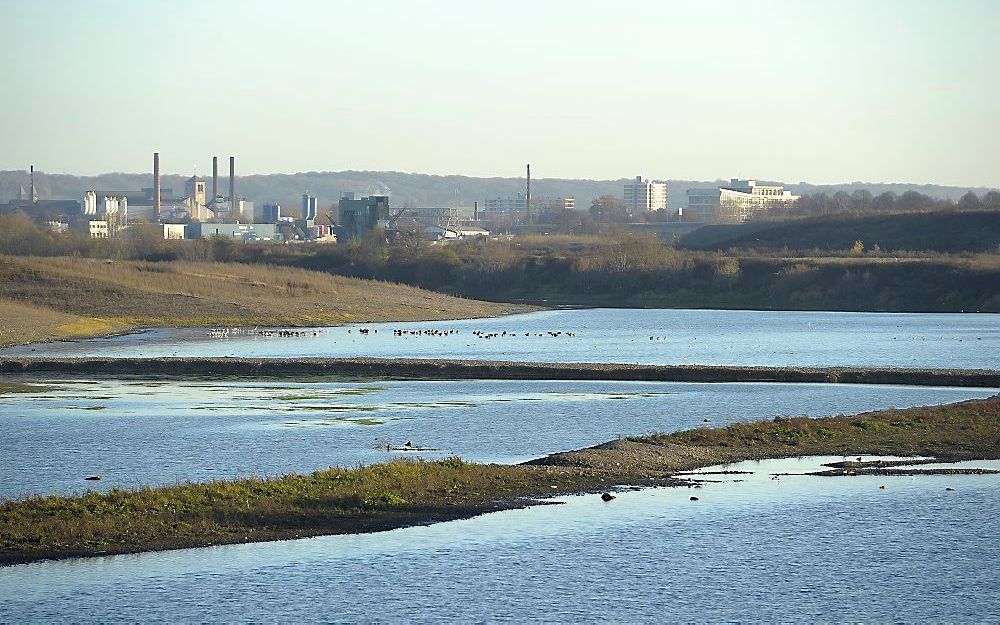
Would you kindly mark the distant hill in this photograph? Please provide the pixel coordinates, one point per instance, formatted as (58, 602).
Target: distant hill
(943, 231)
(421, 189)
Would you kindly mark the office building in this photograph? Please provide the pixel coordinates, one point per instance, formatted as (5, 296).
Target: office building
(736, 202)
(644, 196)
(503, 205)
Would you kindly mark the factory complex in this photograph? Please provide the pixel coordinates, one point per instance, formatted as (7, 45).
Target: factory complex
(200, 211)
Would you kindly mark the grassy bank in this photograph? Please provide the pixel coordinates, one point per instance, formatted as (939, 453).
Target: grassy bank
(57, 298)
(335, 501)
(403, 493)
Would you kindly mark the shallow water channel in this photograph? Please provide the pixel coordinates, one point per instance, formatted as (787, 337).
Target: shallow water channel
(134, 432)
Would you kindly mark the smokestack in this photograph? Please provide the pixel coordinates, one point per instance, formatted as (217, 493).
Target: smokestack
(232, 183)
(527, 202)
(32, 197)
(215, 177)
(156, 186)
(475, 211)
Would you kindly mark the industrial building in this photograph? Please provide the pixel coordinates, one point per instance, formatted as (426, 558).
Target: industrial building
(241, 232)
(358, 215)
(736, 202)
(270, 213)
(309, 207)
(57, 211)
(106, 216)
(644, 196)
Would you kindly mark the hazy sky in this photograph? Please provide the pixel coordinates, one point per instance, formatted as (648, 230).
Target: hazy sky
(819, 91)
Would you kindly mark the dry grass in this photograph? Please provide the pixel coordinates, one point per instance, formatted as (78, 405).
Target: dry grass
(83, 297)
(24, 323)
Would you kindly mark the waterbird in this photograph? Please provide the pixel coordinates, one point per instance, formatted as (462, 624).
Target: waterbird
(607, 496)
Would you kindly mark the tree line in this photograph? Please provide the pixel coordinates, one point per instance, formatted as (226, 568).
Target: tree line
(862, 202)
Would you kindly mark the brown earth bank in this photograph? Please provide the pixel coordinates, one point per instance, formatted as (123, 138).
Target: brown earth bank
(439, 369)
(404, 493)
(61, 298)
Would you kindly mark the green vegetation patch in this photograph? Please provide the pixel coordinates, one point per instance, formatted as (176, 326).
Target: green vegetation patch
(305, 423)
(11, 388)
(965, 430)
(337, 500)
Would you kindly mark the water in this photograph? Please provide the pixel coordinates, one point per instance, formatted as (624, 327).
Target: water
(711, 337)
(794, 549)
(135, 432)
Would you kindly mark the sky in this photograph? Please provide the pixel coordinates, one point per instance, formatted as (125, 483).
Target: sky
(790, 90)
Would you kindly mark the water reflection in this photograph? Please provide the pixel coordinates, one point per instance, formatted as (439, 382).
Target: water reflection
(133, 433)
(800, 548)
(716, 337)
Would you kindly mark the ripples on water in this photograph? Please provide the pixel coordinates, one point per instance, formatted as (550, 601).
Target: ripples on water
(138, 432)
(711, 337)
(793, 549)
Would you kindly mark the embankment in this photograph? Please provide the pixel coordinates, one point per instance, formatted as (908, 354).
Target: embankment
(59, 298)
(430, 369)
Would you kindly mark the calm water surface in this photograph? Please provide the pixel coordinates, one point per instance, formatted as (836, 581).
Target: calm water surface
(713, 337)
(143, 432)
(794, 549)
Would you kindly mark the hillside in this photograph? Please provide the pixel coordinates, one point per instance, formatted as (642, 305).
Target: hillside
(52, 298)
(421, 189)
(946, 232)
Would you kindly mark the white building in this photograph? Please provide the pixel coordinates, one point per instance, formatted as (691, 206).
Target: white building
(643, 196)
(506, 205)
(173, 231)
(736, 202)
(110, 214)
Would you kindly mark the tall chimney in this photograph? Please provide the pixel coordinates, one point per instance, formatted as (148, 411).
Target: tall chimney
(156, 186)
(215, 177)
(232, 183)
(527, 201)
(475, 211)
(32, 198)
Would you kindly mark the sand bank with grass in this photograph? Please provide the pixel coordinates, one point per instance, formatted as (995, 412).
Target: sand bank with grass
(404, 493)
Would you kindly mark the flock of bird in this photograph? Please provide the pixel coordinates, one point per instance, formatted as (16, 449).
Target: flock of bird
(493, 335)
(225, 333)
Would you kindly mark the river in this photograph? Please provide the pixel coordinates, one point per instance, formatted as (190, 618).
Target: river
(708, 337)
(751, 548)
(795, 549)
(137, 432)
